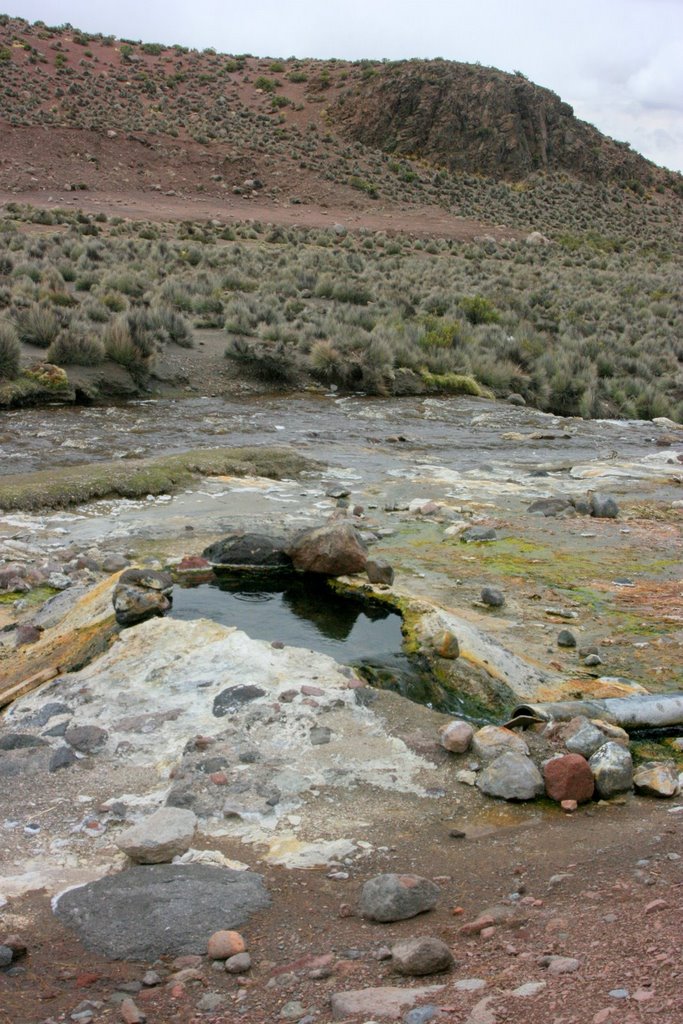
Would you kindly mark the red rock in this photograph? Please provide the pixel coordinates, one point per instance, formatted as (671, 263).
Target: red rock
(130, 1013)
(86, 979)
(656, 905)
(177, 991)
(474, 927)
(225, 944)
(568, 806)
(569, 778)
(219, 778)
(192, 562)
(312, 691)
(189, 960)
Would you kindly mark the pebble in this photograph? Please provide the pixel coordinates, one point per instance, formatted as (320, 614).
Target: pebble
(420, 1014)
(292, 1010)
(238, 964)
(6, 956)
(470, 985)
(492, 597)
(530, 988)
(420, 956)
(619, 993)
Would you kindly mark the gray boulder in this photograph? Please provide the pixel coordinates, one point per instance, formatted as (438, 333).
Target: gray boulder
(159, 838)
(612, 769)
(395, 897)
(249, 549)
(379, 571)
(478, 534)
(422, 955)
(512, 776)
(334, 550)
(603, 506)
(586, 740)
(160, 909)
(491, 741)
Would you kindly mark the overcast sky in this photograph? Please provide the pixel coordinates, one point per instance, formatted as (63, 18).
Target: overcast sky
(618, 62)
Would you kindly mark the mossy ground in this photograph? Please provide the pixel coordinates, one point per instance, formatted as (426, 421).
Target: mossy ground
(75, 485)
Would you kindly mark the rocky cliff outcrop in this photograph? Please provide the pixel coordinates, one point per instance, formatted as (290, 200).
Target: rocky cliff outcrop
(479, 120)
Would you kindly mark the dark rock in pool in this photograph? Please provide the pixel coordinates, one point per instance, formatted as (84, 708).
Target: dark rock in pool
(160, 909)
(148, 579)
(134, 604)
(257, 550)
(228, 701)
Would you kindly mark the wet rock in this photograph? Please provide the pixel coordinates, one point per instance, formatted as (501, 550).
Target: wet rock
(133, 604)
(394, 897)
(512, 776)
(160, 837)
(334, 550)
(446, 645)
(491, 741)
(148, 579)
(87, 739)
(603, 506)
(612, 769)
(565, 638)
(379, 571)
(233, 698)
(249, 549)
(159, 909)
(420, 956)
(586, 739)
(385, 1002)
(569, 778)
(224, 944)
(456, 736)
(656, 778)
(478, 535)
(492, 597)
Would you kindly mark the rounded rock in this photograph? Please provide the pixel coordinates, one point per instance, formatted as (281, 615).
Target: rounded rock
(493, 740)
(240, 963)
(492, 597)
(612, 769)
(420, 956)
(456, 736)
(512, 776)
(394, 897)
(569, 778)
(225, 944)
(565, 638)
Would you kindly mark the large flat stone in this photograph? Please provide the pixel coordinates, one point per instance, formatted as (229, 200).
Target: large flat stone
(160, 909)
(386, 1001)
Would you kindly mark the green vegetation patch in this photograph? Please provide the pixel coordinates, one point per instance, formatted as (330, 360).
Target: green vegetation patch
(74, 485)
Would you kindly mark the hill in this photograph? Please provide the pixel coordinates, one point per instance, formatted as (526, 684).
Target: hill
(417, 225)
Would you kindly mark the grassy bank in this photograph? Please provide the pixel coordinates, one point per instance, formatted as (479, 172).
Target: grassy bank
(74, 485)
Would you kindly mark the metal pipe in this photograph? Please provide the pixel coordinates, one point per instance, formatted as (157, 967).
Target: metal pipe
(643, 711)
